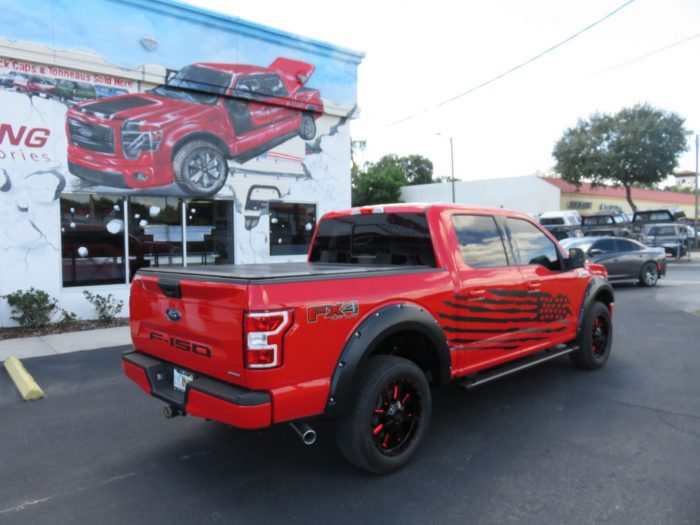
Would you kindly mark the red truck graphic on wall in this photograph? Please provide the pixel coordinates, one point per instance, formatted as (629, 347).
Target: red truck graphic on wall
(185, 130)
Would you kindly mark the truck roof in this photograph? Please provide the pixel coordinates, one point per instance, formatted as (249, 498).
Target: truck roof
(419, 207)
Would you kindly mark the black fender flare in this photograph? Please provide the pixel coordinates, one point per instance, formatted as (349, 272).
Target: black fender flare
(597, 287)
(374, 329)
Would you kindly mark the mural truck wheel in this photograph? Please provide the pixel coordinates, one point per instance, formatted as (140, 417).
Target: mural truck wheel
(200, 168)
(307, 128)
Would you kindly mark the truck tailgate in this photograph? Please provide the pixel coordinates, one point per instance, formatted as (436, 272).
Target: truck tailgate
(194, 324)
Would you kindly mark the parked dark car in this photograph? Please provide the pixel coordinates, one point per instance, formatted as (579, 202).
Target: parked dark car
(606, 223)
(625, 259)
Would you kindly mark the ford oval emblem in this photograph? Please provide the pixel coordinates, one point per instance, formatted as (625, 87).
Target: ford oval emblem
(173, 314)
(85, 132)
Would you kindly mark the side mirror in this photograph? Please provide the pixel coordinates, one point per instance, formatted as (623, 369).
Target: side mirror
(577, 259)
(596, 251)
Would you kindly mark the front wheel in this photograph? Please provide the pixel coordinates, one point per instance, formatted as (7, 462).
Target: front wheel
(200, 168)
(389, 417)
(649, 275)
(595, 341)
(307, 127)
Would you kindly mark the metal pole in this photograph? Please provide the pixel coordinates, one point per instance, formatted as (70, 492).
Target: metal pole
(695, 224)
(183, 229)
(452, 167)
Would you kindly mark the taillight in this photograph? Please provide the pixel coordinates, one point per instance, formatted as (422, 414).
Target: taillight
(264, 335)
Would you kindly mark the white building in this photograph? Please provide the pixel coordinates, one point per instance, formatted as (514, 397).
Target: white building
(529, 194)
(232, 159)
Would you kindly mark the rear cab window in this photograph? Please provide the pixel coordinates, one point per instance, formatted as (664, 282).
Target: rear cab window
(480, 241)
(374, 239)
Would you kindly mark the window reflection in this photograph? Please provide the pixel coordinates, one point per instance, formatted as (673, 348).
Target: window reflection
(92, 240)
(155, 232)
(209, 232)
(533, 246)
(291, 227)
(480, 241)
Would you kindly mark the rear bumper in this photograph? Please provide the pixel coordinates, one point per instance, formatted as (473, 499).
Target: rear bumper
(204, 397)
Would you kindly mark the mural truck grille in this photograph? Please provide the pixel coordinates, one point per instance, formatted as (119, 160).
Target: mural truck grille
(92, 137)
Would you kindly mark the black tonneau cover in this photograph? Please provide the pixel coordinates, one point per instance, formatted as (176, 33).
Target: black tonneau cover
(281, 272)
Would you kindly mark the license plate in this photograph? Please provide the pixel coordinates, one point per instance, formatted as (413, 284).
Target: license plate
(180, 379)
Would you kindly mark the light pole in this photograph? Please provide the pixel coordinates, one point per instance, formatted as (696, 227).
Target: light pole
(452, 167)
(452, 178)
(695, 224)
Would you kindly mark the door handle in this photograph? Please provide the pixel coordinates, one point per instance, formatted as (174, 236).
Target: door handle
(534, 286)
(476, 294)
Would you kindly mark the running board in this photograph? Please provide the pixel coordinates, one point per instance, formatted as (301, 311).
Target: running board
(490, 374)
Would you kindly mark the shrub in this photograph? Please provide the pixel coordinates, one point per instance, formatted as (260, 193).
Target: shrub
(107, 307)
(31, 308)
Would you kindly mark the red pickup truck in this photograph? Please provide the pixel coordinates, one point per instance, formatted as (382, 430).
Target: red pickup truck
(393, 300)
(185, 130)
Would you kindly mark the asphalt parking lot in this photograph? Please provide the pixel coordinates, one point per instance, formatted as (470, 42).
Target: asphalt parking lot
(550, 445)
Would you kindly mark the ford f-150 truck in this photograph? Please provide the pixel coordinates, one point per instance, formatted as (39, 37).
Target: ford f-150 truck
(393, 300)
(185, 130)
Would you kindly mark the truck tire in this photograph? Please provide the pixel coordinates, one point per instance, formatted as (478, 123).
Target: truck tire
(595, 340)
(307, 126)
(649, 275)
(389, 417)
(200, 168)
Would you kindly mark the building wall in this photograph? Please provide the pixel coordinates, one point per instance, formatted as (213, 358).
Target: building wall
(116, 50)
(527, 194)
(585, 204)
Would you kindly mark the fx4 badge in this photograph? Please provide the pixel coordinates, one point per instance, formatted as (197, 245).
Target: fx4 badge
(332, 311)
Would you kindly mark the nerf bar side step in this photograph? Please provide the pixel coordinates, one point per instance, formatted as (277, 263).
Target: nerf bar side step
(497, 372)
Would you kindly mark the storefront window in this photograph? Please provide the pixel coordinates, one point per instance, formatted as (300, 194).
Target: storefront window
(92, 240)
(291, 227)
(209, 232)
(155, 232)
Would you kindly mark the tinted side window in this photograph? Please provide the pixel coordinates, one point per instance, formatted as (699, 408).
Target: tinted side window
(604, 245)
(480, 241)
(624, 245)
(531, 245)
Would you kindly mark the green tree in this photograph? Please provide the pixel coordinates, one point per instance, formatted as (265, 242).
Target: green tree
(638, 146)
(380, 182)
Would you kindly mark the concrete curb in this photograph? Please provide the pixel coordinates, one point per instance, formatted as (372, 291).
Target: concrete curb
(55, 344)
(28, 388)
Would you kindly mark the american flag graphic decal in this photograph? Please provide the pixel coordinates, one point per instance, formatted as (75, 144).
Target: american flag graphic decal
(482, 322)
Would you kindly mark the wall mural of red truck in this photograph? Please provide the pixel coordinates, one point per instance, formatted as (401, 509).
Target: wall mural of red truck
(186, 130)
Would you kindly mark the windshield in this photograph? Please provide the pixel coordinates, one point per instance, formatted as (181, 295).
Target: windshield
(195, 97)
(197, 78)
(597, 220)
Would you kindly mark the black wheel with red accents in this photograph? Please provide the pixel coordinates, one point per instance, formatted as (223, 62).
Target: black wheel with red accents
(595, 341)
(389, 418)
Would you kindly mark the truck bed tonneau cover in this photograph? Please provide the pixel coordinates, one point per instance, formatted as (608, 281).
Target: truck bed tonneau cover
(280, 271)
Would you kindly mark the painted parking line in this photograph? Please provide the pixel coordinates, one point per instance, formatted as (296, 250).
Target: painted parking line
(666, 281)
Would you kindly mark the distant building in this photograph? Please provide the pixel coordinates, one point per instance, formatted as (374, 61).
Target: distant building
(685, 178)
(533, 194)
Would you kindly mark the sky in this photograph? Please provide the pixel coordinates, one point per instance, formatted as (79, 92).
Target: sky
(420, 54)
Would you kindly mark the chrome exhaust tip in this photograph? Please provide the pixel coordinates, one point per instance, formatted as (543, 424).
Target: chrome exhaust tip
(305, 432)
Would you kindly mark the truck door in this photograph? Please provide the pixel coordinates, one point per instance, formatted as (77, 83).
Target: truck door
(554, 294)
(490, 307)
